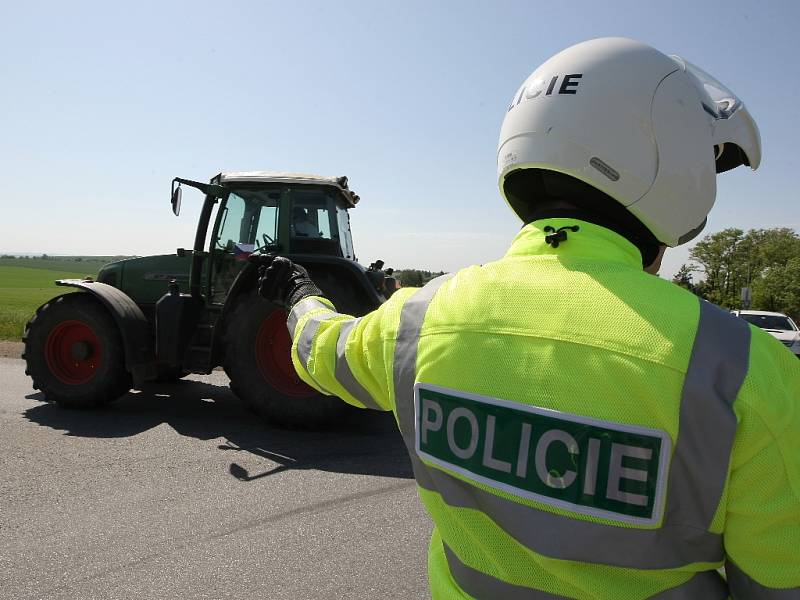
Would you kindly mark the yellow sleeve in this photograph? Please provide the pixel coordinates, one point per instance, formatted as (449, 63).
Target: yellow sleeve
(341, 355)
(762, 525)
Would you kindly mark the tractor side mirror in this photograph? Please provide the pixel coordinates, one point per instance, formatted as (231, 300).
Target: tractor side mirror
(176, 200)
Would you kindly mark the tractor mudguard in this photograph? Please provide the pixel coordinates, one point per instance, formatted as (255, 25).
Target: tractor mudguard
(136, 331)
(343, 281)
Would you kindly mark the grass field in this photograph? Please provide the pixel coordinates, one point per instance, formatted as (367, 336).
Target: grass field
(24, 288)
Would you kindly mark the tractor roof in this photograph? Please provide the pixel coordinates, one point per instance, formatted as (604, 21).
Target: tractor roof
(340, 183)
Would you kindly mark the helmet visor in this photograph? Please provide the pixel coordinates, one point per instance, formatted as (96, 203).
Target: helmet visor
(717, 99)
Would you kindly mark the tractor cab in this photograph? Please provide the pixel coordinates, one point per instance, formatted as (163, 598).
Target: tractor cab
(260, 212)
(285, 213)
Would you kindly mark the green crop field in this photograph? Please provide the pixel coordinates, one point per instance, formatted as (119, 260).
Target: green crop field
(22, 289)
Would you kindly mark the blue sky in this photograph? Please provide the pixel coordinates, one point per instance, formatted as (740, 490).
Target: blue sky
(103, 103)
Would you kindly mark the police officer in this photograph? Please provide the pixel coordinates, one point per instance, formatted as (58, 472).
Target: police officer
(577, 427)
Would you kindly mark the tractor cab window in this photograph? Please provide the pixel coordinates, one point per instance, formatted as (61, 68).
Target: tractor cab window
(267, 225)
(311, 215)
(305, 222)
(313, 224)
(345, 238)
(230, 228)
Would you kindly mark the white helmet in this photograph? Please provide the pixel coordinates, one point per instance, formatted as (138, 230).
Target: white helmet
(649, 130)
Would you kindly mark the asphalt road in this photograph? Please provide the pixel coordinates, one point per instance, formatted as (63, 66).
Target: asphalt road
(178, 492)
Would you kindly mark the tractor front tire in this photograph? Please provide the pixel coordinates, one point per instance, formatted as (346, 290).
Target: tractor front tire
(258, 363)
(74, 352)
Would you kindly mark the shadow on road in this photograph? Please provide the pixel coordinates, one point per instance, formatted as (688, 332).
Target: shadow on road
(364, 442)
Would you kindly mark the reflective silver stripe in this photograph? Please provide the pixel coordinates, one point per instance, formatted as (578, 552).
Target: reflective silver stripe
(717, 368)
(706, 585)
(298, 310)
(718, 365)
(482, 586)
(344, 375)
(306, 341)
(342, 372)
(405, 355)
(744, 587)
(561, 537)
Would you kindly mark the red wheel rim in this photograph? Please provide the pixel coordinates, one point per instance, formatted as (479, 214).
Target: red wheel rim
(73, 352)
(274, 358)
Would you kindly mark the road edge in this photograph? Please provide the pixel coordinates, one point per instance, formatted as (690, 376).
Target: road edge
(11, 349)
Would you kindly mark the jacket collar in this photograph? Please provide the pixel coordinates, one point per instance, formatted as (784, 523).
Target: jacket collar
(589, 242)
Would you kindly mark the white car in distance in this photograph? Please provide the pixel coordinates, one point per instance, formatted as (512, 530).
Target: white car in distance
(776, 324)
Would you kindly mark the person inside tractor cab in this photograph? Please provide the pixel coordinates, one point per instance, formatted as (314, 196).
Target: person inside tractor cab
(302, 225)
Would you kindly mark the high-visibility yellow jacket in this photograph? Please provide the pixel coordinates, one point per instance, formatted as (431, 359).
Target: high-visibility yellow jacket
(577, 427)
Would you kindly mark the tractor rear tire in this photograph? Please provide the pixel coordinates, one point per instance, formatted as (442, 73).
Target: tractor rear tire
(258, 363)
(74, 352)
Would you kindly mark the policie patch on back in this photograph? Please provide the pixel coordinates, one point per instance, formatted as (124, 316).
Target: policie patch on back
(584, 465)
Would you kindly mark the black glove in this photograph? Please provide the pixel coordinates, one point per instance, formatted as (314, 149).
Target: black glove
(283, 282)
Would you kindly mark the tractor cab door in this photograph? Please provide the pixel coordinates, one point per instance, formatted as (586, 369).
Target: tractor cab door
(247, 222)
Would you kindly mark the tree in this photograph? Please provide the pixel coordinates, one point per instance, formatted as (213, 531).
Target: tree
(683, 278)
(718, 257)
(778, 289)
(765, 260)
(415, 277)
(409, 277)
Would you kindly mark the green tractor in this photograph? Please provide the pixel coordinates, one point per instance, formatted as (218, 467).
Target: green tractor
(162, 317)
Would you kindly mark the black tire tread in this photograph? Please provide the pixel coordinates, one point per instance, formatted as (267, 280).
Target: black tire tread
(316, 412)
(111, 381)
